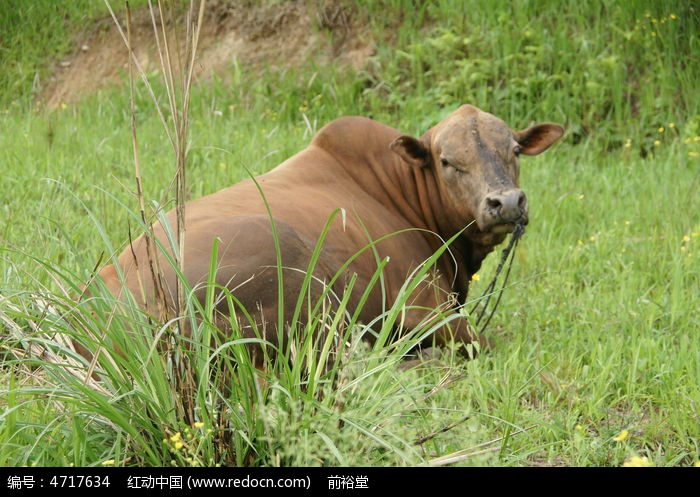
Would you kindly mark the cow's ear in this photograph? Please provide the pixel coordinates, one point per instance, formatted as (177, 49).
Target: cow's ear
(412, 150)
(538, 138)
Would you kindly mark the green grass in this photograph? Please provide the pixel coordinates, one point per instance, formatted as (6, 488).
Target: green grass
(597, 333)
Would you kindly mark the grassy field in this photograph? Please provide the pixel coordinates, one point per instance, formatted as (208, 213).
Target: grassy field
(597, 358)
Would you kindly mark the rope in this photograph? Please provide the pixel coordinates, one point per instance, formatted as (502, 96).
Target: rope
(506, 257)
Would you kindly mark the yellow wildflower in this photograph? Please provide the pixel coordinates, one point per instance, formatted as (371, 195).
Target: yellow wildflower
(637, 462)
(476, 277)
(693, 154)
(686, 238)
(176, 438)
(657, 143)
(621, 436)
(108, 462)
(198, 424)
(628, 143)
(661, 129)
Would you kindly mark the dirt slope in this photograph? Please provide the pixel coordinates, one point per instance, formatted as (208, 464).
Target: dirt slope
(288, 33)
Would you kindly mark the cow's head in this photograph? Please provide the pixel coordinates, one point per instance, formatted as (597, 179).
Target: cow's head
(475, 158)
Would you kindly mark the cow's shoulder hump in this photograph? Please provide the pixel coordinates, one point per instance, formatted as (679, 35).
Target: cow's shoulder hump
(352, 135)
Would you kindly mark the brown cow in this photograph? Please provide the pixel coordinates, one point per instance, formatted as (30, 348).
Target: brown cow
(461, 176)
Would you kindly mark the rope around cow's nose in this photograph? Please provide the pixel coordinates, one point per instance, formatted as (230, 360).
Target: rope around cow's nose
(506, 256)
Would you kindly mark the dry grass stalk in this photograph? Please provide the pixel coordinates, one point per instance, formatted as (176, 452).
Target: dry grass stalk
(477, 450)
(34, 349)
(177, 68)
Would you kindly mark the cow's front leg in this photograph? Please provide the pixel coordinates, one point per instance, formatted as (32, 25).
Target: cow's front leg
(461, 333)
(435, 306)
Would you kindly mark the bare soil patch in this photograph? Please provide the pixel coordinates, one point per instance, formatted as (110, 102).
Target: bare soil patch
(255, 36)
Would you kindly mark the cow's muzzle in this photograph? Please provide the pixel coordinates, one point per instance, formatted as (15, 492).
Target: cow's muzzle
(502, 210)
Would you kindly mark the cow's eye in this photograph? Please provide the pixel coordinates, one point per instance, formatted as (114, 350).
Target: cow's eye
(444, 162)
(517, 150)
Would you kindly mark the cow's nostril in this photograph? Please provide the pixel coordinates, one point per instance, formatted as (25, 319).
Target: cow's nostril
(494, 203)
(522, 201)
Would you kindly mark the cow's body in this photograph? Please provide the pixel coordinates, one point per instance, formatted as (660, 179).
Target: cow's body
(390, 190)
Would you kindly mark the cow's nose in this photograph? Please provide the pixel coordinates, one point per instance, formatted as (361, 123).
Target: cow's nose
(509, 206)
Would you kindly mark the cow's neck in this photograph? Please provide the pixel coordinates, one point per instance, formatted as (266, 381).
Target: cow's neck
(462, 262)
(423, 207)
